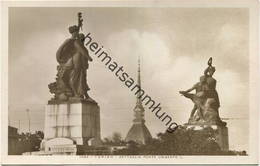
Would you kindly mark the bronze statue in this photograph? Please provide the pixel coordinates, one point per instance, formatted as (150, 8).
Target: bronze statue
(73, 57)
(200, 89)
(206, 100)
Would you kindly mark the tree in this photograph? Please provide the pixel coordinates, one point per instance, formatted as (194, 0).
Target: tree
(132, 149)
(183, 141)
(30, 141)
(187, 142)
(116, 138)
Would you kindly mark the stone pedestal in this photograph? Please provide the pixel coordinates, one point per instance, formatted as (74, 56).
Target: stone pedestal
(221, 133)
(78, 122)
(222, 137)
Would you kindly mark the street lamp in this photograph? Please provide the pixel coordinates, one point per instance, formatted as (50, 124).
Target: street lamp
(27, 110)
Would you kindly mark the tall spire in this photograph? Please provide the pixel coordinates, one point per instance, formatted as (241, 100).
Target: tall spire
(138, 96)
(139, 109)
(138, 132)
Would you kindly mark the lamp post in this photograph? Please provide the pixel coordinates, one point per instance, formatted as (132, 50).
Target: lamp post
(27, 110)
(19, 129)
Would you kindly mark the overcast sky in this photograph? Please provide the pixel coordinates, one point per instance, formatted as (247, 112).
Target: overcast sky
(174, 45)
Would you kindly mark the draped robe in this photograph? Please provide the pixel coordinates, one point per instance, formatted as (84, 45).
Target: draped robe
(74, 57)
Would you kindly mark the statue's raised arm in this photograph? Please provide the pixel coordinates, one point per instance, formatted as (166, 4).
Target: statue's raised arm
(208, 71)
(79, 44)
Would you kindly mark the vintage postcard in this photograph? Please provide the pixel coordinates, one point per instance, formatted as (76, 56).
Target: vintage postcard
(134, 82)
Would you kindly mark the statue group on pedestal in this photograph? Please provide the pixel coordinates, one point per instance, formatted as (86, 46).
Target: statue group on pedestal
(71, 81)
(206, 100)
(73, 58)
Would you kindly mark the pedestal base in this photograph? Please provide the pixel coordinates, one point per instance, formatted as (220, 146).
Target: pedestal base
(71, 124)
(222, 137)
(221, 133)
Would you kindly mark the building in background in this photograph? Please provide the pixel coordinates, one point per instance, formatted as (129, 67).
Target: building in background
(13, 141)
(138, 133)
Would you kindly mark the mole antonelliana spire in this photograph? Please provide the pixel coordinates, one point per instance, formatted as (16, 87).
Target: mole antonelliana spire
(138, 132)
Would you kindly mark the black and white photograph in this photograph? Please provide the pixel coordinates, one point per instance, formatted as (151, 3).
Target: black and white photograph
(133, 80)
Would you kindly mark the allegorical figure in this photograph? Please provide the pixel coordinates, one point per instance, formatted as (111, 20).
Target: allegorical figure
(73, 58)
(200, 89)
(211, 82)
(206, 100)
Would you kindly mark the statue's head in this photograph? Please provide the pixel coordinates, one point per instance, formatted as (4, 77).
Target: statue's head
(81, 37)
(74, 30)
(210, 71)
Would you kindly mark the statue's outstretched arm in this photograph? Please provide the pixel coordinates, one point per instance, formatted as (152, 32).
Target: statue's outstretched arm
(191, 89)
(81, 48)
(188, 90)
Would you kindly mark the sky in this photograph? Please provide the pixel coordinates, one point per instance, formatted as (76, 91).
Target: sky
(174, 45)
